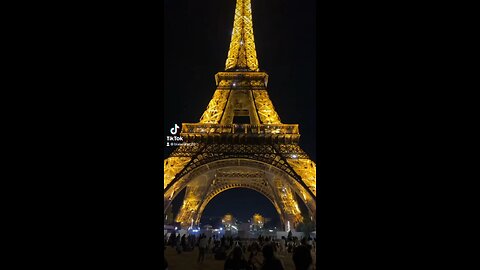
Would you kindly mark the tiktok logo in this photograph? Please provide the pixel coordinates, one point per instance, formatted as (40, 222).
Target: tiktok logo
(174, 140)
(174, 129)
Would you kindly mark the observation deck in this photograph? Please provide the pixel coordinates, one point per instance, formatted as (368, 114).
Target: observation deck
(240, 133)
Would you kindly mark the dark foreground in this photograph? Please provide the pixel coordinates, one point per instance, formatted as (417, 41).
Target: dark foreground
(188, 260)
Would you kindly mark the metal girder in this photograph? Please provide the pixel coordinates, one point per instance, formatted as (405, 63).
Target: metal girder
(265, 108)
(307, 170)
(171, 167)
(214, 111)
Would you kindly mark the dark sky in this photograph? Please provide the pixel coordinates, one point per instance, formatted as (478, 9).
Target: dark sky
(196, 41)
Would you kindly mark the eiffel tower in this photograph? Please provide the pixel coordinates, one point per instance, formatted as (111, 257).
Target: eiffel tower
(220, 152)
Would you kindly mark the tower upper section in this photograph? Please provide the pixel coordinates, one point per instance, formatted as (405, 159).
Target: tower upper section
(242, 55)
(240, 109)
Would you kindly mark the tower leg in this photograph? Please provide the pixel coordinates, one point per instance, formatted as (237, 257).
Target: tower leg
(191, 203)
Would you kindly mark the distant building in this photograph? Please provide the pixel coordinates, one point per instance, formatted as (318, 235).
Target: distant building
(257, 223)
(230, 224)
(228, 220)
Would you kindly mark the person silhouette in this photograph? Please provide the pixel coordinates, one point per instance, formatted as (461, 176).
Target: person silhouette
(178, 244)
(254, 260)
(202, 246)
(270, 262)
(236, 260)
(302, 258)
(183, 242)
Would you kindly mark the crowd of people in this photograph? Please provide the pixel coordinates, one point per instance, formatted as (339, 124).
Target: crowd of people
(258, 254)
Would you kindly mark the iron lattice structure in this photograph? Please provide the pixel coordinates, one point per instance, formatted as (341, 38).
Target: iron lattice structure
(242, 52)
(218, 154)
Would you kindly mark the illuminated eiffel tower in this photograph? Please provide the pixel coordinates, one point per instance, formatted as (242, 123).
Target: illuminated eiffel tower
(222, 152)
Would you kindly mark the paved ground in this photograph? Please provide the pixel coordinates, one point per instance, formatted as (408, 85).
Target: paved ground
(188, 261)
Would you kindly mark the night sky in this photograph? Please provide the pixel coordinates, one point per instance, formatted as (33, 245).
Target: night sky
(196, 41)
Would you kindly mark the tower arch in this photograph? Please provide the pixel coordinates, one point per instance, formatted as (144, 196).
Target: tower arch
(206, 181)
